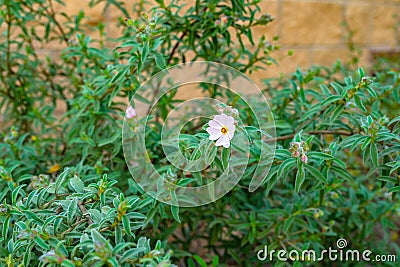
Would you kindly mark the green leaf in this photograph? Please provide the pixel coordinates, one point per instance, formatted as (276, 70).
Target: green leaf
(41, 243)
(30, 215)
(60, 179)
(343, 173)
(142, 99)
(160, 61)
(372, 92)
(288, 222)
(225, 157)
(200, 261)
(388, 179)
(15, 194)
(366, 142)
(373, 152)
(336, 113)
(113, 262)
(331, 99)
(282, 154)
(67, 263)
(361, 73)
(6, 225)
(99, 239)
(394, 189)
(300, 177)
(72, 209)
(127, 225)
(215, 261)
(315, 173)
(319, 155)
(285, 166)
(359, 103)
(119, 74)
(175, 213)
(145, 52)
(338, 88)
(27, 255)
(77, 184)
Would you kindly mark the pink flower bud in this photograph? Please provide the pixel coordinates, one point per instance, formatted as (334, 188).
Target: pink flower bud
(304, 158)
(130, 112)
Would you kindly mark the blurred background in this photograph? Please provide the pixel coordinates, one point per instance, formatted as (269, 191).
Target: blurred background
(318, 32)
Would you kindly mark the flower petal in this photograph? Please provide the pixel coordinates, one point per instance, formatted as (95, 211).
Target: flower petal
(215, 124)
(227, 144)
(231, 130)
(214, 133)
(224, 119)
(223, 141)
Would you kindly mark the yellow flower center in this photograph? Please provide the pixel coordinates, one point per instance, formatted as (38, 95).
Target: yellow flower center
(224, 130)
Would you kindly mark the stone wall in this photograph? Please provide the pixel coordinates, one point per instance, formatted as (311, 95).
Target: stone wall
(314, 29)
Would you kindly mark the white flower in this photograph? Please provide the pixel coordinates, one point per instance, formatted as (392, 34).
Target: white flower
(222, 129)
(130, 112)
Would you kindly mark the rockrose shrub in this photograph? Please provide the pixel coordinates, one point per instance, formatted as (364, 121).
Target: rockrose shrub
(331, 144)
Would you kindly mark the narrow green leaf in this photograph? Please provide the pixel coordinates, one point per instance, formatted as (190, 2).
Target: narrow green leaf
(67, 263)
(300, 177)
(394, 189)
(41, 243)
(315, 173)
(285, 166)
(225, 157)
(200, 261)
(127, 225)
(361, 73)
(175, 213)
(359, 103)
(160, 61)
(145, 52)
(388, 179)
(373, 152)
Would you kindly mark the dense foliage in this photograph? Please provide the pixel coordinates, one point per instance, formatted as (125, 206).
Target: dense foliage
(68, 198)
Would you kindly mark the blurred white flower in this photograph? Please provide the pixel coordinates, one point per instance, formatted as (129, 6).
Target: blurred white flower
(130, 112)
(222, 128)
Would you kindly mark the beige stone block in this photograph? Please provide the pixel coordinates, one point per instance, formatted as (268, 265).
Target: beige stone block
(301, 58)
(358, 18)
(364, 60)
(309, 23)
(114, 14)
(328, 56)
(114, 29)
(383, 25)
(269, 7)
(93, 15)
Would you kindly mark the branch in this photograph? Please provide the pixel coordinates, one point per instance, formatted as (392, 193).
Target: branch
(84, 211)
(175, 47)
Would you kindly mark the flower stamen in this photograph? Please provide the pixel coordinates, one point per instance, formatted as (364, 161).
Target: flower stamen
(224, 130)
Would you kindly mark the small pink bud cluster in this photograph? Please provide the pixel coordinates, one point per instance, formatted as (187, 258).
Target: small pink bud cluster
(299, 149)
(130, 112)
(228, 110)
(222, 21)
